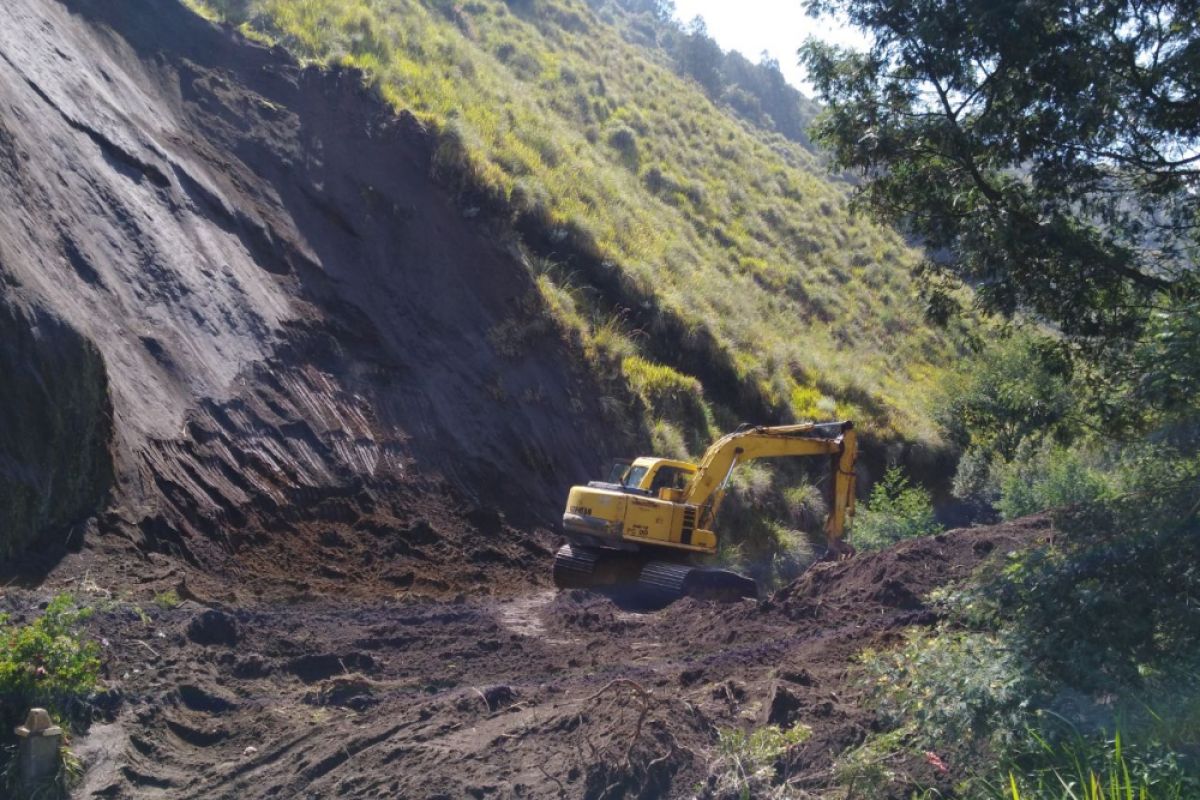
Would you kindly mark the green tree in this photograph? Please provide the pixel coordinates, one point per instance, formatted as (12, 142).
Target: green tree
(896, 510)
(1016, 389)
(1047, 153)
(701, 57)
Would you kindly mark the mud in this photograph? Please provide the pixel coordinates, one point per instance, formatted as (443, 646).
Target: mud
(495, 687)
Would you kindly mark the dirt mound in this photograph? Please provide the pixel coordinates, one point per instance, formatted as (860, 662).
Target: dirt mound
(898, 579)
(230, 288)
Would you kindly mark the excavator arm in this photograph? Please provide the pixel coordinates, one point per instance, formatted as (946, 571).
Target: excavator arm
(836, 439)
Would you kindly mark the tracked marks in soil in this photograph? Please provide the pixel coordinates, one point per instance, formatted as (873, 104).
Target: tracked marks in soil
(523, 616)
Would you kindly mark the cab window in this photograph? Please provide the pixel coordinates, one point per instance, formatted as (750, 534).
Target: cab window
(669, 478)
(633, 478)
(617, 471)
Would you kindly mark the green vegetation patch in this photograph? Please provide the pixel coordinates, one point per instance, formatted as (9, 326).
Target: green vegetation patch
(47, 662)
(896, 510)
(726, 242)
(745, 763)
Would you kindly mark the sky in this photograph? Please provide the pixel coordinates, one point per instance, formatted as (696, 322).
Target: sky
(777, 26)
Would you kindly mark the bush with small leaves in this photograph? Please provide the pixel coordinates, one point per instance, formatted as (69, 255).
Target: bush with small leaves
(896, 510)
(1044, 477)
(47, 662)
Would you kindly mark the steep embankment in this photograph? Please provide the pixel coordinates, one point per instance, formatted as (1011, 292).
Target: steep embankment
(663, 225)
(233, 298)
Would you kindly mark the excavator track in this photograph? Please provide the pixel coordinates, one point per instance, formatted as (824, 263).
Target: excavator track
(578, 567)
(647, 582)
(669, 582)
(575, 567)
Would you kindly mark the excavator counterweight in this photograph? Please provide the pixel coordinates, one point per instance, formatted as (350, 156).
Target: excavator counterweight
(650, 525)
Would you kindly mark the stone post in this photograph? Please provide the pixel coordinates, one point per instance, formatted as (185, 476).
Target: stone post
(38, 752)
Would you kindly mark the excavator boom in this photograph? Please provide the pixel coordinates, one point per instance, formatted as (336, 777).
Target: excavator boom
(838, 440)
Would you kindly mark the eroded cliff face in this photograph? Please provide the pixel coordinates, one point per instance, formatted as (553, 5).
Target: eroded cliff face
(55, 457)
(229, 285)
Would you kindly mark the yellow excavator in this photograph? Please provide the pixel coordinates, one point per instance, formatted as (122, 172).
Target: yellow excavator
(650, 524)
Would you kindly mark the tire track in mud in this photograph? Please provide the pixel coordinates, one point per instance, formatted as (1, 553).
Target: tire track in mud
(550, 692)
(522, 616)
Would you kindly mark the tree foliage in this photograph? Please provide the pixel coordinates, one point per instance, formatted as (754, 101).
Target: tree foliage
(897, 510)
(1048, 154)
(700, 57)
(1015, 390)
(1114, 605)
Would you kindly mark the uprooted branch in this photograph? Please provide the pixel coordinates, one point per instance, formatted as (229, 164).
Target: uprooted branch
(646, 701)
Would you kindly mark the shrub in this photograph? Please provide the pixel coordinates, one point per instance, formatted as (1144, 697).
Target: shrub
(1015, 389)
(668, 441)
(1111, 603)
(1103, 613)
(47, 663)
(671, 396)
(755, 536)
(1044, 477)
(975, 480)
(793, 553)
(624, 141)
(868, 770)
(957, 691)
(806, 505)
(975, 698)
(896, 510)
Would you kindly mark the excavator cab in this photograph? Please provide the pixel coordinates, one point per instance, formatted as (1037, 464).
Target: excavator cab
(669, 481)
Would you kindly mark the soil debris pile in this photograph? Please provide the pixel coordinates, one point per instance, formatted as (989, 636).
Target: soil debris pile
(899, 579)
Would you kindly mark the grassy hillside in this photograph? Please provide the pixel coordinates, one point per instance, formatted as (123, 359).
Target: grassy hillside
(694, 251)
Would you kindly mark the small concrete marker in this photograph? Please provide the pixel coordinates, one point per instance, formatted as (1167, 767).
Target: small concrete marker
(37, 757)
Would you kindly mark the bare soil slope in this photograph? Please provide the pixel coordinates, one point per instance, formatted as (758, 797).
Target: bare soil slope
(229, 286)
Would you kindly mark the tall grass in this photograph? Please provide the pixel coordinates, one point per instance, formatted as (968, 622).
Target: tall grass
(745, 761)
(731, 228)
(1088, 770)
